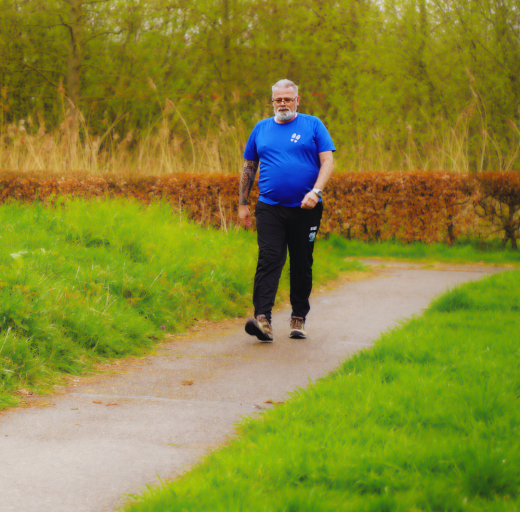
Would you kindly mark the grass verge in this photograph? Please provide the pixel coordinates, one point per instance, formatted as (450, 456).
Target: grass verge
(91, 280)
(464, 251)
(428, 419)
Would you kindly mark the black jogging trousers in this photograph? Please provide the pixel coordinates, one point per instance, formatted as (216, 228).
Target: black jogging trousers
(279, 228)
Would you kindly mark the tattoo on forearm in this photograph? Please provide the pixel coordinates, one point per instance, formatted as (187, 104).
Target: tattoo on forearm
(247, 180)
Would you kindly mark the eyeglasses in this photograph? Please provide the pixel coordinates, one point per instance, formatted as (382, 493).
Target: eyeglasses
(284, 100)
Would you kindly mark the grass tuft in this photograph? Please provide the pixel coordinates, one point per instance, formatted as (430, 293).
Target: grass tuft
(456, 300)
(464, 251)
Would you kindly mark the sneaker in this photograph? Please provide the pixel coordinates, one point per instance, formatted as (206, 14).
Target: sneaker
(261, 328)
(297, 327)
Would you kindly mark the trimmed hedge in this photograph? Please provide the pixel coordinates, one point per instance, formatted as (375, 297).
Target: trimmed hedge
(408, 206)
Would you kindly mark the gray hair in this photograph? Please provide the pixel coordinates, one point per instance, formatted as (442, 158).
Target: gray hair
(286, 83)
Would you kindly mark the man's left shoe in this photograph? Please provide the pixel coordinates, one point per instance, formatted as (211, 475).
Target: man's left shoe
(297, 328)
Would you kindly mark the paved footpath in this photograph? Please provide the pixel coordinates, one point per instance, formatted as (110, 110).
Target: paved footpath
(69, 453)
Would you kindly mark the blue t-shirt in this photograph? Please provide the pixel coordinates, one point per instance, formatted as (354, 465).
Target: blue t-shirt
(289, 157)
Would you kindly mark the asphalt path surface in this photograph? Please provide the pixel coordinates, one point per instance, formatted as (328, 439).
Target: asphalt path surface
(106, 436)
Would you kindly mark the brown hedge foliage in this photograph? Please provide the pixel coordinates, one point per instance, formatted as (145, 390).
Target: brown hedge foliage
(409, 206)
(412, 206)
(497, 199)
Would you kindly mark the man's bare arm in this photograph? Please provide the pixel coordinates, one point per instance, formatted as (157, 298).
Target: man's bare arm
(247, 180)
(327, 166)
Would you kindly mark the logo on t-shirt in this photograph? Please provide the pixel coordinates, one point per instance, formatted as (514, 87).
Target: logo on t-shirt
(295, 138)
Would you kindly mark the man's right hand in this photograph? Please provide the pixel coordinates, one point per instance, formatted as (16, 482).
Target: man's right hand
(244, 215)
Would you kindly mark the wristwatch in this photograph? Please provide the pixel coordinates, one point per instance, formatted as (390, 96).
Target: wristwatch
(318, 192)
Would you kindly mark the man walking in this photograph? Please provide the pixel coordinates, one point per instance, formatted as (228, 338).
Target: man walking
(295, 156)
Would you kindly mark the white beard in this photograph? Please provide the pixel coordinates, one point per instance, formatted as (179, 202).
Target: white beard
(284, 115)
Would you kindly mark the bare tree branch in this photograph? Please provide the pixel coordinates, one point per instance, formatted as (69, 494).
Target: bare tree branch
(85, 41)
(47, 79)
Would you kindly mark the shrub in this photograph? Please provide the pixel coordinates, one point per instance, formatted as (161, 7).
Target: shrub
(408, 206)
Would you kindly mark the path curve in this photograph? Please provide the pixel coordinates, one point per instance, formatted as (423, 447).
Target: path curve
(76, 454)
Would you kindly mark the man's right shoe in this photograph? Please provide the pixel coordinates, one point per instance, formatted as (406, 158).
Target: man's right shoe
(261, 328)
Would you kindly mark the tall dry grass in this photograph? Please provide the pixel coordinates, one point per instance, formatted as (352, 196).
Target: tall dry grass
(163, 148)
(26, 146)
(460, 147)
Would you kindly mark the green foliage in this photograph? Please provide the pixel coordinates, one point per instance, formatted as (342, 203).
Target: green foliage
(104, 279)
(395, 76)
(427, 419)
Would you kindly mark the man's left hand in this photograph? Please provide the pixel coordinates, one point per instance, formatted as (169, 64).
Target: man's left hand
(310, 200)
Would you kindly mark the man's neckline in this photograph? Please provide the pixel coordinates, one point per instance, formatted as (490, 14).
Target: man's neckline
(288, 122)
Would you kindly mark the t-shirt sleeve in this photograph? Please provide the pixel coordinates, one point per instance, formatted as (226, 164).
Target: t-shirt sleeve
(323, 138)
(250, 152)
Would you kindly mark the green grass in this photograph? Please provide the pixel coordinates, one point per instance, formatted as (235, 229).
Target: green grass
(104, 279)
(464, 251)
(428, 419)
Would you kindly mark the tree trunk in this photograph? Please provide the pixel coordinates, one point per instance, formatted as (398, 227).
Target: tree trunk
(424, 36)
(510, 235)
(74, 58)
(509, 226)
(226, 60)
(451, 231)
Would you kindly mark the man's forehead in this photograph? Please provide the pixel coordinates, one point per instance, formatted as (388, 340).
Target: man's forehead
(283, 91)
